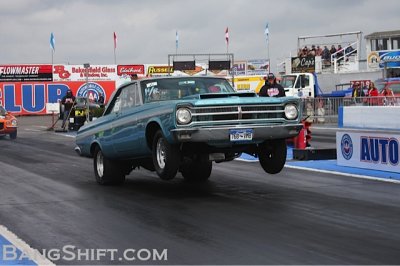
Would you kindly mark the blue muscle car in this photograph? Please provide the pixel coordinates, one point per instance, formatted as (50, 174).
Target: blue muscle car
(183, 124)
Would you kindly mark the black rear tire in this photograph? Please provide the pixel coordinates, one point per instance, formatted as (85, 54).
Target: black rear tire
(107, 172)
(166, 157)
(272, 155)
(197, 170)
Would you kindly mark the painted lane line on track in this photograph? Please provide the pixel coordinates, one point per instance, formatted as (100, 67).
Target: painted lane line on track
(343, 174)
(24, 247)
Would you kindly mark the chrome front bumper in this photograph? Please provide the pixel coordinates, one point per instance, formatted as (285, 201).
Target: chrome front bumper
(221, 134)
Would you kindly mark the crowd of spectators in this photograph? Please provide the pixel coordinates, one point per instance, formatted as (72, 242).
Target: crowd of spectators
(326, 52)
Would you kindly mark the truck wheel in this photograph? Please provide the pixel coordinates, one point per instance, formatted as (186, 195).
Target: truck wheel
(198, 170)
(166, 157)
(13, 135)
(272, 155)
(107, 172)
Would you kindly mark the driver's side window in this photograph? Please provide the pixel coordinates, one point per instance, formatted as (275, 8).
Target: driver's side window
(115, 104)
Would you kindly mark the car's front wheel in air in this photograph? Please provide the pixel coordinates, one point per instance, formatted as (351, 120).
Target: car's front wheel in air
(272, 155)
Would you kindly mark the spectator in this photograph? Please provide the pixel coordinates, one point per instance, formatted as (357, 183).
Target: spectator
(389, 96)
(332, 50)
(272, 88)
(340, 53)
(349, 49)
(318, 51)
(309, 112)
(312, 52)
(100, 100)
(326, 55)
(357, 92)
(372, 94)
(321, 112)
(300, 52)
(305, 51)
(68, 101)
(134, 77)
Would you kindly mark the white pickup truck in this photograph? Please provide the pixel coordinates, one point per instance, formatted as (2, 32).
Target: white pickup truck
(301, 85)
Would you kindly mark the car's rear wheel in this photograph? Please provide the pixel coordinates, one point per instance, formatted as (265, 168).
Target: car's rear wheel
(166, 157)
(198, 169)
(13, 135)
(107, 172)
(272, 155)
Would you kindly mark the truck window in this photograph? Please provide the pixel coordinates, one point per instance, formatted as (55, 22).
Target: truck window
(302, 81)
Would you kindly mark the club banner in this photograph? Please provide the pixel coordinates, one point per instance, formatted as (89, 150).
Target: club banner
(17, 73)
(22, 98)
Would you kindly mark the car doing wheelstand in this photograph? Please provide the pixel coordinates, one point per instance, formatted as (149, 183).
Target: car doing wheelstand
(183, 124)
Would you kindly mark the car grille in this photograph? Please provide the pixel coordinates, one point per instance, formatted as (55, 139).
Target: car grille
(238, 114)
(1, 125)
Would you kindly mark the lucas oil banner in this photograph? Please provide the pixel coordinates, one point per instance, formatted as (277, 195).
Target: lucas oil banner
(24, 98)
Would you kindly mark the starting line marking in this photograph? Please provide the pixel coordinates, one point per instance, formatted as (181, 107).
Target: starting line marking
(24, 247)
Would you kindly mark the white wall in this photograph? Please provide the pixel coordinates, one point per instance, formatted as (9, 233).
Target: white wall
(372, 117)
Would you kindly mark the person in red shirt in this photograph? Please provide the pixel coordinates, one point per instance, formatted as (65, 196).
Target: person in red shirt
(373, 93)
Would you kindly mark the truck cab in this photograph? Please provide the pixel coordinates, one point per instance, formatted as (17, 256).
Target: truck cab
(299, 85)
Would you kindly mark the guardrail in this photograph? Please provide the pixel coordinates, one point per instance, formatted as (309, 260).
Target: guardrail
(325, 109)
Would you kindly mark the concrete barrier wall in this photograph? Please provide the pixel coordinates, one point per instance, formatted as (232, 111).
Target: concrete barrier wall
(370, 117)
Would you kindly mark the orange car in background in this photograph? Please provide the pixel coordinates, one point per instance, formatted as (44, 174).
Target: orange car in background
(8, 124)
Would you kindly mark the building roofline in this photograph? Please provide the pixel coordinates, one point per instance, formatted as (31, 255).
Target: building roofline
(383, 34)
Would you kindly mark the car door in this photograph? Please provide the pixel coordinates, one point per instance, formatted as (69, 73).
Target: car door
(106, 124)
(126, 137)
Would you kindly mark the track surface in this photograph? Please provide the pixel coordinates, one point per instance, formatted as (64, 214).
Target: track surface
(49, 198)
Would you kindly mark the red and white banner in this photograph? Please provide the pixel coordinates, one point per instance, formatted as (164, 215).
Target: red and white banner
(130, 70)
(79, 73)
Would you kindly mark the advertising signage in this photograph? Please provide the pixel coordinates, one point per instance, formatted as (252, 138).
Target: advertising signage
(130, 70)
(25, 73)
(23, 98)
(303, 64)
(389, 58)
(79, 73)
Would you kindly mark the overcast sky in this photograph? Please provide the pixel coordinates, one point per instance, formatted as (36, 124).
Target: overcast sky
(146, 29)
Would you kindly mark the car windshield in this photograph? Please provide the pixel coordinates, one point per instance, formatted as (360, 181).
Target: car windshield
(177, 88)
(2, 111)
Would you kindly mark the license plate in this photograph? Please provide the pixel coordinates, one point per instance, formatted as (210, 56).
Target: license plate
(241, 134)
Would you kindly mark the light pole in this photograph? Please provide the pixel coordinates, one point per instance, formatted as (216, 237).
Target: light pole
(86, 66)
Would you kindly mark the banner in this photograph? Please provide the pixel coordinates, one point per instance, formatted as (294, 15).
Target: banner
(130, 70)
(25, 73)
(389, 58)
(257, 67)
(303, 64)
(78, 73)
(21, 98)
(377, 151)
